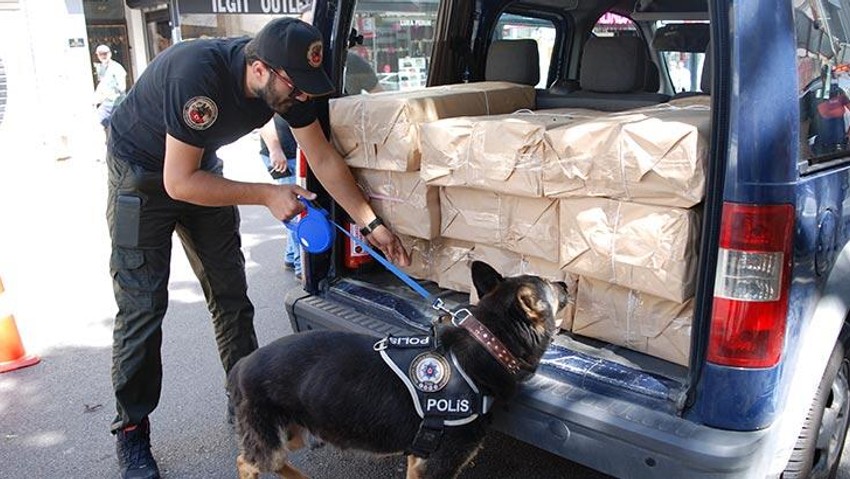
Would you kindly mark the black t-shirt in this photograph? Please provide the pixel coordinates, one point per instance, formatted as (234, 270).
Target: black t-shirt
(195, 92)
(284, 135)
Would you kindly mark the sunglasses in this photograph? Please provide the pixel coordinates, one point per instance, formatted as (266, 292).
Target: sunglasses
(294, 90)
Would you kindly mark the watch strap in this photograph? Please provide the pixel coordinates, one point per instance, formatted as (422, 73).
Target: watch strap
(368, 229)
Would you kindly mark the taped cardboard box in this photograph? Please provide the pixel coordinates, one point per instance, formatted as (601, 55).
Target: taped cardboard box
(422, 258)
(648, 248)
(635, 320)
(381, 131)
(522, 225)
(500, 153)
(653, 155)
(402, 200)
(452, 268)
(508, 263)
(441, 260)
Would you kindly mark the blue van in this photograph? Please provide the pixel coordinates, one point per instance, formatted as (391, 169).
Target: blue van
(762, 390)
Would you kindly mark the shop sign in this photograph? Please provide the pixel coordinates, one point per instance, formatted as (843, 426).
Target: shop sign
(242, 6)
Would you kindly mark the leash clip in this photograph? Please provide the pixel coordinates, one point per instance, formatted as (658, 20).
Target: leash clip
(460, 316)
(439, 305)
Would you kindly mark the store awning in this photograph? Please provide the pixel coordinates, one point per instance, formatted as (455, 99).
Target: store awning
(145, 3)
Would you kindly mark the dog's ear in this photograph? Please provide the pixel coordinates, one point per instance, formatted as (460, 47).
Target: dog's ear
(535, 308)
(484, 277)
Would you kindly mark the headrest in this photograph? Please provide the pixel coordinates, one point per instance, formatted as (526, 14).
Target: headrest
(653, 81)
(514, 61)
(613, 65)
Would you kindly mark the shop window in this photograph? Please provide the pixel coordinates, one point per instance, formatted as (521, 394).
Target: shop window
(823, 69)
(542, 31)
(391, 46)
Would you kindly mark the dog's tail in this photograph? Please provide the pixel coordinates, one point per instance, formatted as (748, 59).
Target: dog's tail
(259, 424)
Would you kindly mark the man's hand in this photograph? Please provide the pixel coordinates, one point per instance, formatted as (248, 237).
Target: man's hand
(283, 200)
(385, 240)
(278, 160)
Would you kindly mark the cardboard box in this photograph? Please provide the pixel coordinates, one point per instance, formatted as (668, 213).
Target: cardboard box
(522, 225)
(635, 320)
(508, 264)
(452, 268)
(403, 200)
(381, 131)
(441, 260)
(422, 258)
(653, 155)
(648, 248)
(500, 153)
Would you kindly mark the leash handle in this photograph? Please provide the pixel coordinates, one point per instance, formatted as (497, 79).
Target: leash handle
(393, 269)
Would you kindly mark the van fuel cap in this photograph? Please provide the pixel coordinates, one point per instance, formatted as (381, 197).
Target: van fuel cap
(313, 230)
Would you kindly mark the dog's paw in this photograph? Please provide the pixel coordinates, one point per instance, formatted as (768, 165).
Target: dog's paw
(314, 442)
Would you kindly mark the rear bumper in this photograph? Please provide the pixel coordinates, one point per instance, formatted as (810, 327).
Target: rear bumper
(606, 433)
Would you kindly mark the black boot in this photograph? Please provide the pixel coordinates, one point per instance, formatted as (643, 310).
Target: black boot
(133, 446)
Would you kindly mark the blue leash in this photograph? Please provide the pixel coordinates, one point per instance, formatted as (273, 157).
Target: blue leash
(435, 302)
(315, 234)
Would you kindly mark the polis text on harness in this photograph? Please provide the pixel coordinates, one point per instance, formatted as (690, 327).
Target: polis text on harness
(442, 393)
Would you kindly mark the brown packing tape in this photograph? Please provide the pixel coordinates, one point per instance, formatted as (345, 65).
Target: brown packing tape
(381, 131)
(453, 264)
(524, 225)
(403, 200)
(500, 153)
(652, 155)
(635, 320)
(644, 247)
(422, 257)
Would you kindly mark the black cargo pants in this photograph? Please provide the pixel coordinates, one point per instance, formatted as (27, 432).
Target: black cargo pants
(142, 218)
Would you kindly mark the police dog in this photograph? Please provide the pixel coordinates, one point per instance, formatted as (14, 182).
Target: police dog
(334, 386)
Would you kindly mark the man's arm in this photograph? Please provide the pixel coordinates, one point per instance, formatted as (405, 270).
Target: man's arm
(185, 181)
(331, 170)
(269, 135)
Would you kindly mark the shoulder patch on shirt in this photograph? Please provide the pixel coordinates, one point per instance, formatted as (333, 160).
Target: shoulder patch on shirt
(200, 112)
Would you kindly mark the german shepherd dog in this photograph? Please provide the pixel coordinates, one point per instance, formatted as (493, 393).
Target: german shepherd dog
(335, 387)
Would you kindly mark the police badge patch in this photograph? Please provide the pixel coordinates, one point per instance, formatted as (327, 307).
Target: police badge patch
(430, 372)
(314, 55)
(200, 112)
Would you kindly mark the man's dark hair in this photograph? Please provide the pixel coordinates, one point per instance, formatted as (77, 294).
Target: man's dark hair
(251, 52)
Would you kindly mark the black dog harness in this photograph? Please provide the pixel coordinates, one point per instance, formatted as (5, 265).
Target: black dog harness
(442, 393)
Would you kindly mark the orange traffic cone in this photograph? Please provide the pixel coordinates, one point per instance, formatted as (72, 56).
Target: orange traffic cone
(12, 354)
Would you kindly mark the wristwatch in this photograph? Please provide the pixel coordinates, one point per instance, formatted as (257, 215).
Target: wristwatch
(368, 229)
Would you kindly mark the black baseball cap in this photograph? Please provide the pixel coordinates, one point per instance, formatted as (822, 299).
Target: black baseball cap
(297, 48)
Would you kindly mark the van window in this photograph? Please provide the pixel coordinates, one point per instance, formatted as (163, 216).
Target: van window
(611, 25)
(823, 70)
(512, 27)
(393, 49)
(681, 47)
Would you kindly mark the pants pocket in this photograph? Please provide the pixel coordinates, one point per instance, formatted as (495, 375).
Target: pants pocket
(127, 217)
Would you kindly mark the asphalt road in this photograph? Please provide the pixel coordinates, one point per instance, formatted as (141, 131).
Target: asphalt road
(54, 416)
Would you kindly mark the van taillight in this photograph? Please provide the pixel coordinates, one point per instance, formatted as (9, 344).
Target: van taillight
(751, 285)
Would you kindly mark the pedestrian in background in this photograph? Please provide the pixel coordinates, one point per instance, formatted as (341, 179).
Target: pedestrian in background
(165, 176)
(278, 150)
(111, 84)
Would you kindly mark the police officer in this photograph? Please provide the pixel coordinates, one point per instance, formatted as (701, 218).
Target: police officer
(164, 176)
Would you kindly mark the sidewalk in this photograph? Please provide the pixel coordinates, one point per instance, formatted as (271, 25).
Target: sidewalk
(54, 263)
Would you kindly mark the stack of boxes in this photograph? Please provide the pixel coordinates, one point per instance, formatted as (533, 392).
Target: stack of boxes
(604, 201)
